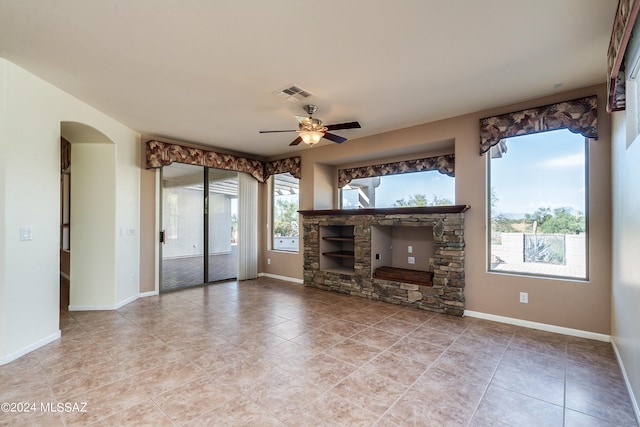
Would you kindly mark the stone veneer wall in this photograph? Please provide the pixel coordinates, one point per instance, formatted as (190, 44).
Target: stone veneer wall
(447, 293)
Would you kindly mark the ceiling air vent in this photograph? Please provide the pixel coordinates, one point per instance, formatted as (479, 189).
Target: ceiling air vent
(292, 93)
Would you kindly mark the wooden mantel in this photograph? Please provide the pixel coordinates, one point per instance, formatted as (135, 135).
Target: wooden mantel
(388, 211)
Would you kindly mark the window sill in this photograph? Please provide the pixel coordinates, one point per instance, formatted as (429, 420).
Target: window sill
(280, 251)
(539, 276)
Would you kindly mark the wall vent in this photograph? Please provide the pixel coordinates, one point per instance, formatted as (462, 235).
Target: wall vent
(292, 93)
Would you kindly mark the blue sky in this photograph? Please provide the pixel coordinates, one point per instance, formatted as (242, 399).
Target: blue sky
(544, 170)
(395, 187)
(540, 170)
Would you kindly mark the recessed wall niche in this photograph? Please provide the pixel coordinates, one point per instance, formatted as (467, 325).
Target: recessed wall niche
(336, 249)
(402, 247)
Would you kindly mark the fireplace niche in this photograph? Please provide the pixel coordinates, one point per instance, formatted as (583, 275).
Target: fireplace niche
(366, 252)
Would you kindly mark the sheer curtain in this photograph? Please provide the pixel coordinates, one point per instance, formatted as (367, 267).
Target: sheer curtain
(247, 227)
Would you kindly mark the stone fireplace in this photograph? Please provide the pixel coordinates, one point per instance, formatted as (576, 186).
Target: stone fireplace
(408, 256)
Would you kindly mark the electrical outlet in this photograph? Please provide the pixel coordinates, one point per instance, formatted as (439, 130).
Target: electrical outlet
(377, 256)
(524, 297)
(410, 249)
(411, 260)
(268, 260)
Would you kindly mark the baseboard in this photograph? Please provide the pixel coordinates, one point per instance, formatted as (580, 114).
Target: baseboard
(285, 278)
(91, 307)
(540, 326)
(634, 401)
(111, 307)
(102, 307)
(126, 301)
(148, 294)
(31, 347)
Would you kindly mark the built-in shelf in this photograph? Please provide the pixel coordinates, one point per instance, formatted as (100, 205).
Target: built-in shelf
(337, 249)
(340, 254)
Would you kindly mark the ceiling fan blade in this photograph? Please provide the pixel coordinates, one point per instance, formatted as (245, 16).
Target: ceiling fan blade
(276, 131)
(296, 141)
(349, 125)
(334, 138)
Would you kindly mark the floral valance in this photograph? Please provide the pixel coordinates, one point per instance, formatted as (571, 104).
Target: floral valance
(578, 116)
(625, 19)
(161, 154)
(443, 164)
(291, 165)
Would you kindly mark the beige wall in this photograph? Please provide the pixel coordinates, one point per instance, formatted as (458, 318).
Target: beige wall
(566, 303)
(148, 230)
(421, 241)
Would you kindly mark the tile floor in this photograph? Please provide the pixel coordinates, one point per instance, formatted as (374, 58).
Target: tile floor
(271, 353)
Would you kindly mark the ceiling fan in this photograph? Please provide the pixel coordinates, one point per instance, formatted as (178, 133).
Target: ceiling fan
(312, 130)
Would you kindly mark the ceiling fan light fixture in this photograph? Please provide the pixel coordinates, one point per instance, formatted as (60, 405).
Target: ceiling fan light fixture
(311, 137)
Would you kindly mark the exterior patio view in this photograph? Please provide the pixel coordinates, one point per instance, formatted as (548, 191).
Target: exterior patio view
(540, 254)
(185, 227)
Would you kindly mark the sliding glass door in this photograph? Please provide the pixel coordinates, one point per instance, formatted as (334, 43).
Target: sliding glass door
(199, 211)
(222, 225)
(183, 226)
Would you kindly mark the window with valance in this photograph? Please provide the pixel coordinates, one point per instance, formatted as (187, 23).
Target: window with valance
(537, 188)
(625, 18)
(419, 182)
(443, 164)
(160, 154)
(578, 116)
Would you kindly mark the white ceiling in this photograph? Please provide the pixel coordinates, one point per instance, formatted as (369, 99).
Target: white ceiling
(204, 71)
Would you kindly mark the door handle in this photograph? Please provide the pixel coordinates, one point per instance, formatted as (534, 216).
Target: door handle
(162, 234)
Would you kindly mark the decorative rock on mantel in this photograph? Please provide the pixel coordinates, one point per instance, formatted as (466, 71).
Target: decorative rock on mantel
(447, 293)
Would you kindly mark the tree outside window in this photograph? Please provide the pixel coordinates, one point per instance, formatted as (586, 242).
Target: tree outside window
(415, 189)
(538, 205)
(285, 218)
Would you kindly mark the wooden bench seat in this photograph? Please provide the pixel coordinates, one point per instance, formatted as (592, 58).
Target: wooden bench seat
(404, 275)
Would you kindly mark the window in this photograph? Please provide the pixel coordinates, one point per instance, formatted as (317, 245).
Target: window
(427, 188)
(632, 89)
(538, 205)
(285, 201)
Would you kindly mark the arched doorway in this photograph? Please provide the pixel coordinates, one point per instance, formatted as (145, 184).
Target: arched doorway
(91, 226)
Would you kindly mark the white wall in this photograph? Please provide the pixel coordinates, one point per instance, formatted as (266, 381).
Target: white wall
(127, 184)
(3, 237)
(92, 223)
(625, 316)
(32, 113)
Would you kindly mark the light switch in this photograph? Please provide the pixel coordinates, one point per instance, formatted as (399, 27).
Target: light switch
(26, 233)
(410, 249)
